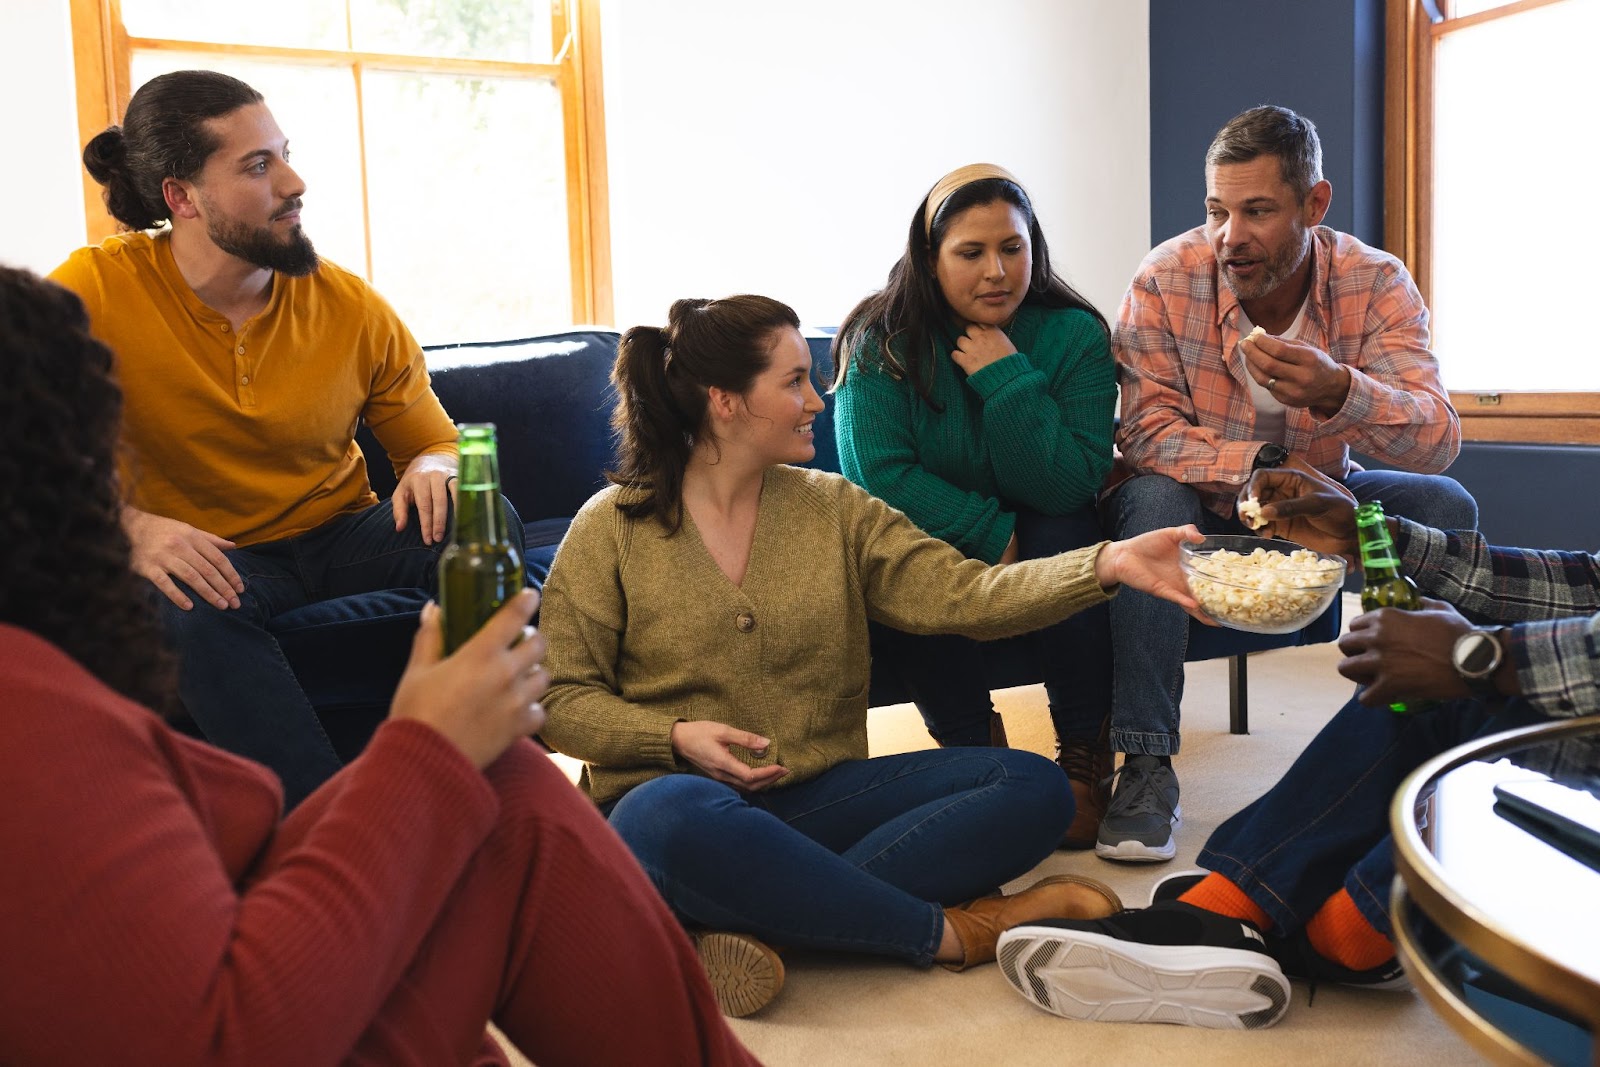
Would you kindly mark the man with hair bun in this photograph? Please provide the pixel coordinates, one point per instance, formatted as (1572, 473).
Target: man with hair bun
(1341, 361)
(246, 363)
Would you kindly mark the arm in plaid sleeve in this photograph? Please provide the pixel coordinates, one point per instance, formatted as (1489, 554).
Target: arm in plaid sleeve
(1397, 409)
(1552, 600)
(1160, 432)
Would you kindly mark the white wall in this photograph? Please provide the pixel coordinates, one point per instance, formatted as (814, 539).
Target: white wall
(768, 147)
(782, 148)
(39, 167)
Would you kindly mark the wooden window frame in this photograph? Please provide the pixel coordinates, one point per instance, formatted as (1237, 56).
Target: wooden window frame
(102, 50)
(1411, 34)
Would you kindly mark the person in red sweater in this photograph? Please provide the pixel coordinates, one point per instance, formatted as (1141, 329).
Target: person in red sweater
(156, 909)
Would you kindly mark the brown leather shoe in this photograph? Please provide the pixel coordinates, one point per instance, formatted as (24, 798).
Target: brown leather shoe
(746, 975)
(1088, 767)
(978, 924)
(1088, 770)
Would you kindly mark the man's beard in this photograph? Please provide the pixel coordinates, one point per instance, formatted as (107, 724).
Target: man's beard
(1275, 271)
(292, 255)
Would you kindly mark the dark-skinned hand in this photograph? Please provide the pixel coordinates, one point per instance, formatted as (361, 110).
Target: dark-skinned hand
(1305, 506)
(1397, 655)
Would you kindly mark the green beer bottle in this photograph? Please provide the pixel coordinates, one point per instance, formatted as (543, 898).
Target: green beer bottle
(480, 568)
(1386, 584)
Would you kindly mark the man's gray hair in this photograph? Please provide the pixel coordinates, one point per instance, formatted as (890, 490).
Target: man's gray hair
(1269, 130)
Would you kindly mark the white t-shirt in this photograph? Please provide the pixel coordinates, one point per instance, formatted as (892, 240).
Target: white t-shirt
(1269, 412)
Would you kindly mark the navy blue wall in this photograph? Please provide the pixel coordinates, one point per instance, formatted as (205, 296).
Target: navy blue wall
(1211, 59)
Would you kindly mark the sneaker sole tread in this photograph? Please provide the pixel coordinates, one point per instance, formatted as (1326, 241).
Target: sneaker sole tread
(1088, 976)
(745, 975)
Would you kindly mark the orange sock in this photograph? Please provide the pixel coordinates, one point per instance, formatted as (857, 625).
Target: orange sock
(1341, 933)
(1216, 893)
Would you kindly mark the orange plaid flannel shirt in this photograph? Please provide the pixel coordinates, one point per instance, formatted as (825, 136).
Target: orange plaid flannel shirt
(1186, 407)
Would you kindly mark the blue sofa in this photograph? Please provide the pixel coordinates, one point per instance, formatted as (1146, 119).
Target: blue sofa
(551, 399)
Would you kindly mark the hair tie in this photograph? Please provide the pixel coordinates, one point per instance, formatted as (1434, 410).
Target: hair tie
(972, 172)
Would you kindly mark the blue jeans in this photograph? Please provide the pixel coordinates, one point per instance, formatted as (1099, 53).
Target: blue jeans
(232, 676)
(1150, 636)
(944, 673)
(861, 858)
(1325, 825)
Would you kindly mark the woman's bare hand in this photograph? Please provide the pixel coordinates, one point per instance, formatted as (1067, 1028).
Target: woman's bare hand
(486, 694)
(705, 744)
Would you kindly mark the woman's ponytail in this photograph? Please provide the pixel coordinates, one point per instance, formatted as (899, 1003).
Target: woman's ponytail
(663, 378)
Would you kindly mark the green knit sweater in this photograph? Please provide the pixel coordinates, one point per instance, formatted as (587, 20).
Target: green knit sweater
(1032, 429)
(644, 629)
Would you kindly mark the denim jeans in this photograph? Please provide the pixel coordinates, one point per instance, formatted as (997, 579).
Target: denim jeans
(232, 676)
(861, 858)
(945, 676)
(1430, 499)
(1150, 636)
(1325, 825)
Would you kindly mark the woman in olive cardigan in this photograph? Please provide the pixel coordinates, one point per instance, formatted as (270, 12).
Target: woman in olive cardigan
(706, 617)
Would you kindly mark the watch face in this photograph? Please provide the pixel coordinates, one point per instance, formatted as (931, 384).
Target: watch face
(1476, 654)
(1271, 455)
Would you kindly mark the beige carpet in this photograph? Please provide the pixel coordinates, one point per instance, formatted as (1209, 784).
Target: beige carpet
(839, 1010)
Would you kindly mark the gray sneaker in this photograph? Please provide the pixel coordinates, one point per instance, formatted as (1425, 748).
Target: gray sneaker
(1138, 823)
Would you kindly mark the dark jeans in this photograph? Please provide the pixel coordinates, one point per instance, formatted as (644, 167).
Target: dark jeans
(861, 858)
(1150, 636)
(945, 676)
(232, 676)
(1325, 825)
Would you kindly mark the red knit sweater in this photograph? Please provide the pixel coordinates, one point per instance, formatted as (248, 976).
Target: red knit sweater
(152, 908)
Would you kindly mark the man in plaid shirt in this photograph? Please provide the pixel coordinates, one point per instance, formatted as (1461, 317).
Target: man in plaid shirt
(1343, 361)
(1297, 883)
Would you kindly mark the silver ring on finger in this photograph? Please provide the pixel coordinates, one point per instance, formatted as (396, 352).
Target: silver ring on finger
(1272, 383)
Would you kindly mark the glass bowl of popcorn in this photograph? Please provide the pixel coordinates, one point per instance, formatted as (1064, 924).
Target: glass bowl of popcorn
(1260, 585)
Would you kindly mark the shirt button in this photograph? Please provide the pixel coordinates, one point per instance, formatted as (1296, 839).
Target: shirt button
(240, 350)
(224, 327)
(245, 380)
(745, 622)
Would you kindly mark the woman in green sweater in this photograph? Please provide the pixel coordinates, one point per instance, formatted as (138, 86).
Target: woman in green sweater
(975, 394)
(707, 624)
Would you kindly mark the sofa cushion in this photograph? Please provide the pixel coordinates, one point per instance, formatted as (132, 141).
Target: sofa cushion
(550, 399)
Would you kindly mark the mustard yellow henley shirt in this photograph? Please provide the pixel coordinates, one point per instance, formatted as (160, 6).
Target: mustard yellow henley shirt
(250, 434)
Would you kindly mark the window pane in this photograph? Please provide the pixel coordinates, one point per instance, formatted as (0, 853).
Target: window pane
(515, 30)
(466, 179)
(316, 109)
(287, 23)
(1514, 101)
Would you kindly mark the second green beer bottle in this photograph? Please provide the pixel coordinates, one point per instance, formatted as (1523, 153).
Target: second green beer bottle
(1386, 584)
(480, 569)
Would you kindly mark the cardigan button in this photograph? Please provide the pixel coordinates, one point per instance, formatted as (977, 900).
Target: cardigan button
(745, 622)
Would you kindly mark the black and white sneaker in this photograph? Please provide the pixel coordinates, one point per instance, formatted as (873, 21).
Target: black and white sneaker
(1170, 963)
(1299, 960)
(1176, 885)
(1294, 953)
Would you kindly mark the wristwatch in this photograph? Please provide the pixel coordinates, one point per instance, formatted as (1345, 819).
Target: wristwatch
(1476, 657)
(1271, 455)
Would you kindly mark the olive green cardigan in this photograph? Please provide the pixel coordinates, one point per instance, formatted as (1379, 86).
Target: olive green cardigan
(645, 631)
